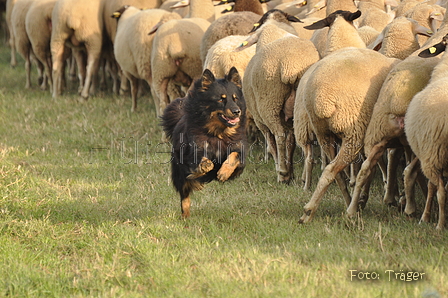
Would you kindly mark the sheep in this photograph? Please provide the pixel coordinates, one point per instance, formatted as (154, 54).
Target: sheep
(399, 38)
(22, 42)
(38, 28)
(221, 57)
(427, 15)
(368, 34)
(270, 81)
(240, 22)
(133, 45)
(406, 79)
(176, 51)
(426, 129)
(79, 24)
(339, 92)
(9, 7)
(375, 13)
(341, 33)
(110, 6)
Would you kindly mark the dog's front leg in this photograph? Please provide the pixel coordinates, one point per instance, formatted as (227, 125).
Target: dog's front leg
(229, 166)
(205, 166)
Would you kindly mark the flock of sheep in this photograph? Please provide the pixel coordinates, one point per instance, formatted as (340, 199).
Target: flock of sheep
(347, 76)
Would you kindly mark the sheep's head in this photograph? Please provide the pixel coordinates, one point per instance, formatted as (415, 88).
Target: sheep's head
(435, 49)
(117, 14)
(328, 21)
(275, 15)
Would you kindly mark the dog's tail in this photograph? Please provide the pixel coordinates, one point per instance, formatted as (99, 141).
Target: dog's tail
(172, 115)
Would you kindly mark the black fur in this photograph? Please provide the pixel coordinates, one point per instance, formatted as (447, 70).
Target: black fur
(196, 128)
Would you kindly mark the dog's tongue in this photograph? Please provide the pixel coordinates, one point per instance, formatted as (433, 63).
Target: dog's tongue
(233, 121)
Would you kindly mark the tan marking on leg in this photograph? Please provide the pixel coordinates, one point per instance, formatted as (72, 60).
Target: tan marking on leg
(229, 166)
(185, 204)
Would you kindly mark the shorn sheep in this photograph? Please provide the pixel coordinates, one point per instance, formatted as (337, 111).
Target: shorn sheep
(426, 128)
(405, 80)
(176, 51)
(240, 22)
(78, 24)
(133, 44)
(22, 42)
(340, 91)
(38, 27)
(270, 81)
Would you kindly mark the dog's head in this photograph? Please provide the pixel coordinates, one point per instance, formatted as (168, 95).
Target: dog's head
(218, 104)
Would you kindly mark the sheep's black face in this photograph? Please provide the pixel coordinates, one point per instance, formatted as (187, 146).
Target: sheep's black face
(217, 104)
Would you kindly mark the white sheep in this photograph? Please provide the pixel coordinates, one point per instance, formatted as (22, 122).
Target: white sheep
(270, 81)
(405, 80)
(426, 129)
(341, 34)
(339, 93)
(78, 24)
(38, 28)
(399, 38)
(427, 15)
(133, 44)
(240, 22)
(22, 42)
(221, 57)
(176, 51)
(376, 13)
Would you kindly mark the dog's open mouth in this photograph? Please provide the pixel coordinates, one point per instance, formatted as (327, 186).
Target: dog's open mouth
(228, 120)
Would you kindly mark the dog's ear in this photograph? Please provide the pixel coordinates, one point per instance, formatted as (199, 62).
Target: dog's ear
(234, 77)
(207, 79)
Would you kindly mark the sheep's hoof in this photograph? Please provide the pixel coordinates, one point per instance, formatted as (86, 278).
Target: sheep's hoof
(82, 99)
(306, 217)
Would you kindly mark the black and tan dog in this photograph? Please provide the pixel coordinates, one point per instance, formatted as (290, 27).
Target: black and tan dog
(207, 132)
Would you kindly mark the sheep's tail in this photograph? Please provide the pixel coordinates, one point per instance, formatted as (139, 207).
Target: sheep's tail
(172, 115)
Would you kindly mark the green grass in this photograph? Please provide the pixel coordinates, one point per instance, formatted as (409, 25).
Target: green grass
(80, 221)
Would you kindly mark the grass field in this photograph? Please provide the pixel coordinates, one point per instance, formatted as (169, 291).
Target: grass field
(87, 209)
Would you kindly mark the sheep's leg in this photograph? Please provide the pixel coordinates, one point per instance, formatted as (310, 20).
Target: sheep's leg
(134, 90)
(93, 60)
(57, 53)
(441, 198)
(81, 65)
(162, 96)
(383, 167)
(27, 71)
(12, 45)
(426, 216)
(364, 174)
(308, 166)
(354, 170)
(410, 175)
(344, 157)
(290, 147)
(47, 69)
(393, 157)
(282, 169)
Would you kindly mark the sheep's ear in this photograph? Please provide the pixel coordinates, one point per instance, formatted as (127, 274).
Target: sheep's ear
(207, 79)
(230, 8)
(293, 19)
(248, 42)
(321, 24)
(234, 77)
(376, 45)
(351, 16)
(183, 3)
(433, 51)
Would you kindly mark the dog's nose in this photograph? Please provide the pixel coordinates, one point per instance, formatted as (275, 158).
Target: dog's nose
(236, 112)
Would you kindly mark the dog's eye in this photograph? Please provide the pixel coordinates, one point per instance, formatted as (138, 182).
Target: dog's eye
(235, 98)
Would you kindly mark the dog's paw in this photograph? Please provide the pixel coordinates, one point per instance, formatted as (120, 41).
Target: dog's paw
(205, 166)
(225, 172)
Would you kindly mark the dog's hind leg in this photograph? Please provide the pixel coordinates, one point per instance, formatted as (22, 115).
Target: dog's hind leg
(229, 166)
